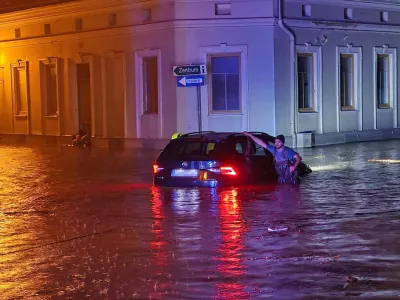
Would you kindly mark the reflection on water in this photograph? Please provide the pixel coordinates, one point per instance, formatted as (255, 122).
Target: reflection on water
(88, 224)
(230, 258)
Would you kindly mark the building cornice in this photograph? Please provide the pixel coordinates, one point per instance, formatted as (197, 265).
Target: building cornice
(73, 9)
(141, 28)
(376, 4)
(345, 26)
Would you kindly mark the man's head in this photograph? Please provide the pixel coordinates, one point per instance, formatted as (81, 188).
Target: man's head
(279, 141)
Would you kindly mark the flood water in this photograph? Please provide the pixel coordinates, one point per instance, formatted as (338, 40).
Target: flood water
(79, 223)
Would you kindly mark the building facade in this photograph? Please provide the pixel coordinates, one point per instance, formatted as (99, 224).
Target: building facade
(277, 66)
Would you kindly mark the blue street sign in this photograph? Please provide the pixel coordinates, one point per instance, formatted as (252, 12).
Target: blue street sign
(189, 81)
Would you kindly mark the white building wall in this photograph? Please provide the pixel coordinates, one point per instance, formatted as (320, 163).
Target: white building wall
(364, 35)
(187, 32)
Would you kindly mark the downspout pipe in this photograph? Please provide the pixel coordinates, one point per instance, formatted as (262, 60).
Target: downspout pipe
(292, 74)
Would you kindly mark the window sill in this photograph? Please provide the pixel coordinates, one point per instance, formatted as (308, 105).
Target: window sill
(348, 109)
(21, 116)
(385, 108)
(51, 116)
(225, 113)
(311, 112)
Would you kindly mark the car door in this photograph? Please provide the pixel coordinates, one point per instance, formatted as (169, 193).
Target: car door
(261, 161)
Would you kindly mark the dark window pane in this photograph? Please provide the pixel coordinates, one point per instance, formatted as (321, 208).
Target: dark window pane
(225, 65)
(181, 149)
(150, 82)
(304, 64)
(218, 92)
(383, 79)
(51, 85)
(346, 81)
(232, 91)
(305, 81)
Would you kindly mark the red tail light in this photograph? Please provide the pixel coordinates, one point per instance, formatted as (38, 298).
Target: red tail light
(156, 169)
(226, 170)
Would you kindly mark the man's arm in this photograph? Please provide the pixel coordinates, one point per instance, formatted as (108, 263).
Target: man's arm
(298, 159)
(256, 140)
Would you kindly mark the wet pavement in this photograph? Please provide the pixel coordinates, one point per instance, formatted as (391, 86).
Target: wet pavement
(78, 223)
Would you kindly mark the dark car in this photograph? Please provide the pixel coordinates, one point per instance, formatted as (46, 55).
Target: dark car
(212, 159)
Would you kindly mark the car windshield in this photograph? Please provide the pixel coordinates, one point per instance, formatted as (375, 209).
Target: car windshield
(206, 149)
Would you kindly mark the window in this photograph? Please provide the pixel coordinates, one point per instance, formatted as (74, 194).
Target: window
(20, 92)
(150, 85)
(17, 33)
(225, 83)
(349, 80)
(346, 84)
(384, 16)
(348, 13)
(222, 9)
(382, 80)
(305, 82)
(385, 77)
(187, 149)
(47, 29)
(78, 24)
(20, 89)
(146, 15)
(309, 78)
(51, 89)
(49, 85)
(306, 10)
(112, 19)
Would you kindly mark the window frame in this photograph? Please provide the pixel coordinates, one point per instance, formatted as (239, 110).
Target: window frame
(356, 53)
(316, 53)
(210, 85)
(139, 57)
(312, 108)
(353, 94)
(144, 99)
(391, 53)
(44, 64)
(15, 82)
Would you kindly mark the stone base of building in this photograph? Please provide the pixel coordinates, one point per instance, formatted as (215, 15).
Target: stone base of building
(159, 144)
(98, 142)
(350, 137)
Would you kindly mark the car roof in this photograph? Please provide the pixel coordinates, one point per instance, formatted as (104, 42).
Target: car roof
(214, 136)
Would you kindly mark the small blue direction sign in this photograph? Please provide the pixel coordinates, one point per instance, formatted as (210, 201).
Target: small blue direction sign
(189, 81)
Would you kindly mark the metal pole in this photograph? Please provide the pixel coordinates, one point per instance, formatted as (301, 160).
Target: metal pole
(199, 107)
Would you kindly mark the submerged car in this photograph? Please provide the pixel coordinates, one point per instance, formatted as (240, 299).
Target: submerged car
(210, 159)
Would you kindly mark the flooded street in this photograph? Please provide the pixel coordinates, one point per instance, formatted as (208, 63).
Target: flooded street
(78, 223)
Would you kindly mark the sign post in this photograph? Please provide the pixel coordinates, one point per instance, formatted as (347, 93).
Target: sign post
(192, 76)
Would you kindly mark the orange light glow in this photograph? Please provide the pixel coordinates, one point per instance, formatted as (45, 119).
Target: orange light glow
(155, 169)
(2, 59)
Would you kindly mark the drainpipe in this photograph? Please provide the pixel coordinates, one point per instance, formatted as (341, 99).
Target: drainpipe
(292, 69)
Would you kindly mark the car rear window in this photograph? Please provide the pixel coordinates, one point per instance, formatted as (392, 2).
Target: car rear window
(182, 148)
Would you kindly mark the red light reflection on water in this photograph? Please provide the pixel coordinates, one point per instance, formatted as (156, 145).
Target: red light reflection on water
(159, 242)
(232, 227)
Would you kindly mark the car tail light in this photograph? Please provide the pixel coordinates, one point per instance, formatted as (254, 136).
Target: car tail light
(156, 169)
(226, 170)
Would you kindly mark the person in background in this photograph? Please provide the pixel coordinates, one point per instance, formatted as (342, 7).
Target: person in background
(81, 139)
(286, 160)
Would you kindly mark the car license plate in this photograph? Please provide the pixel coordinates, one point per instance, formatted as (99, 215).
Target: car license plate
(184, 173)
